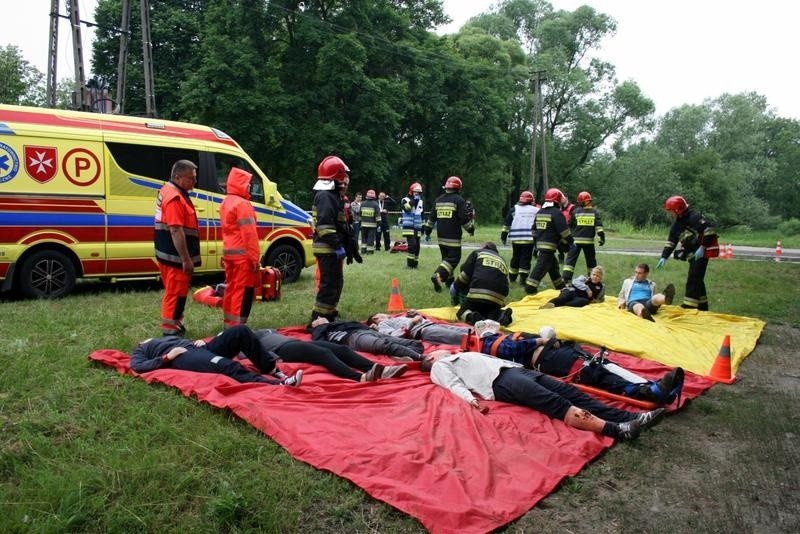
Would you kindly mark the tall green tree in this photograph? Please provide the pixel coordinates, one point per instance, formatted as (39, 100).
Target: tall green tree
(175, 35)
(20, 82)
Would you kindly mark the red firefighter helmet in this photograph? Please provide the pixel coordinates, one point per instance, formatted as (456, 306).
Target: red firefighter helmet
(454, 182)
(526, 197)
(416, 187)
(553, 195)
(677, 204)
(332, 168)
(584, 197)
(371, 193)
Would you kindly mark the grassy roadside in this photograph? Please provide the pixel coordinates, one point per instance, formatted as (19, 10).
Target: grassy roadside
(84, 449)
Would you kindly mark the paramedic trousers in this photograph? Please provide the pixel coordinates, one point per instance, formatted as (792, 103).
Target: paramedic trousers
(546, 263)
(540, 392)
(572, 260)
(520, 264)
(375, 343)
(215, 357)
(451, 255)
(695, 293)
(329, 290)
(240, 280)
(337, 359)
(176, 287)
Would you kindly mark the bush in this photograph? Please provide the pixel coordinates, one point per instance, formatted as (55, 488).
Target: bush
(790, 227)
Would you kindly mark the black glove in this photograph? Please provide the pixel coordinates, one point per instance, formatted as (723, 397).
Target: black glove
(471, 230)
(503, 237)
(602, 240)
(349, 259)
(357, 257)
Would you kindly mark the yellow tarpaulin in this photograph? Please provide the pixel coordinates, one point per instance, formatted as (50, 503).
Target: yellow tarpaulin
(679, 337)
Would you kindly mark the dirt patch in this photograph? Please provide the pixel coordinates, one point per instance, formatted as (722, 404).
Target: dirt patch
(728, 462)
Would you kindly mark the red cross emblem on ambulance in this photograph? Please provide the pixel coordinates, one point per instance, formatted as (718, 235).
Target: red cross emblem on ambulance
(41, 162)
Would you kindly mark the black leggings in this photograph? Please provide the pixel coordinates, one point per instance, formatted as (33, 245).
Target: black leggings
(337, 359)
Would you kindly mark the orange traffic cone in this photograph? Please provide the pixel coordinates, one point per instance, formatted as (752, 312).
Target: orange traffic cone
(395, 300)
(778, 251)
(721, 370)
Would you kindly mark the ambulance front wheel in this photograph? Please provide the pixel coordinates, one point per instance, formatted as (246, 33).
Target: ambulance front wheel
(287, 260)
(47, 274)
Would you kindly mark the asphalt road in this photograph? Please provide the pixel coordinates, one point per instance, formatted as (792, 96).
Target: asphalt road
(791, 255)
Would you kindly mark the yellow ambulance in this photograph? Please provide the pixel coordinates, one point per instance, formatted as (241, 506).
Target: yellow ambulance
(78, 191)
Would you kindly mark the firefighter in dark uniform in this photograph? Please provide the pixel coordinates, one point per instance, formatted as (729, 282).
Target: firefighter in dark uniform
(698, 239)
(552, 235)
(450, 213)
(411, 217)
(333, 236)
(585, 224)
(484, 283)
(370, 219)
(518, 227)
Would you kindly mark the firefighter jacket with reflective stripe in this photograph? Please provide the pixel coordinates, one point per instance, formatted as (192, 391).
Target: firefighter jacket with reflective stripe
(331, 230)
(585, 223)
(692, 229)
(551, 229)
(484, 276)
(370, 213)
(412, 214)
(449, 214)
(519, 223)
(238, 218)
(175, 208)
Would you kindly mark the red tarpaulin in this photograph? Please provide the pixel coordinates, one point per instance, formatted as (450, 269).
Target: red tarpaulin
(408, 442)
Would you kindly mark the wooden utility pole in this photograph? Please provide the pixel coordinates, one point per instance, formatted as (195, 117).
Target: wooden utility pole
(122, 63)
(52, 55)
(538, 125)
(147, 55)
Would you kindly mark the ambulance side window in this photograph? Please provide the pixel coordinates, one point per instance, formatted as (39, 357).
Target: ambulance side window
(223, 164)
(150, 161)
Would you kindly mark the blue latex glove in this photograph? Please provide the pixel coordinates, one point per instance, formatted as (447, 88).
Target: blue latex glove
(699, 253)
(340, 253)
(661, 263)
(427, 238)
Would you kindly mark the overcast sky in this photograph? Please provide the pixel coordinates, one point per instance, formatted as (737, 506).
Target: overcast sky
(678, 51)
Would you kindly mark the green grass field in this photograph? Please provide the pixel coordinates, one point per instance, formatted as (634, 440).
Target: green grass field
(84, 449)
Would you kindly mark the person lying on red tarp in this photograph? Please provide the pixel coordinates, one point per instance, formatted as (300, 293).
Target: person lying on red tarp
(359, 336)
(175, 352)
(494, 379)
(567, 360)
(416, 326)
(338, 359)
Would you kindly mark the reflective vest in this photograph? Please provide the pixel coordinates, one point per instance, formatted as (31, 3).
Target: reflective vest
(175, 208)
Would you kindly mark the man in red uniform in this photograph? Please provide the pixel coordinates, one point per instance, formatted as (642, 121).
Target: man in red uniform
(177, 243)
(240, 248)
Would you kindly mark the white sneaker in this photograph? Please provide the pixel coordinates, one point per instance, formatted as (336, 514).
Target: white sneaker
(295, 379)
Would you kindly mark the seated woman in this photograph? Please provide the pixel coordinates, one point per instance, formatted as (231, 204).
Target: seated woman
(338, 359)
(584, 290)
